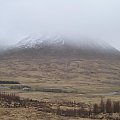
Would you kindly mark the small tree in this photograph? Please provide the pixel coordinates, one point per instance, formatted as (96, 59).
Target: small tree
(95, 108)
(109, 108)
(116, 107)
(102, 106)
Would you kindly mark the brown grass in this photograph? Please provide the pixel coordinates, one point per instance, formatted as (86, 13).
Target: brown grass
(88, 78)
(31, 114)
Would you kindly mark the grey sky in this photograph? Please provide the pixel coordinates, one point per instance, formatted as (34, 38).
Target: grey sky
(97, 19)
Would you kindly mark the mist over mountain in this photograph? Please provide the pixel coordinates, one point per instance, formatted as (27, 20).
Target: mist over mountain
(58, 45)
(3, 48)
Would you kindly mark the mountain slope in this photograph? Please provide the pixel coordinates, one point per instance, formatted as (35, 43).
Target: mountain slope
(80, 67)
(36, 46)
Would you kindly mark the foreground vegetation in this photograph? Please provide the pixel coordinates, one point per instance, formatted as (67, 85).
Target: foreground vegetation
(105, 109)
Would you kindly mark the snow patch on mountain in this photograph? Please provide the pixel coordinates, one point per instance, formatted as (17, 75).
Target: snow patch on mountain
(57, 41)
(40, 41)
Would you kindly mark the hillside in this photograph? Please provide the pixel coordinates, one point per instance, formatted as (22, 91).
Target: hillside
(63, 67)
(58, 46)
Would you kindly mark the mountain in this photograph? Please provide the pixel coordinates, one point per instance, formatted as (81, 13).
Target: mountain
(40, 41)
(56, 45)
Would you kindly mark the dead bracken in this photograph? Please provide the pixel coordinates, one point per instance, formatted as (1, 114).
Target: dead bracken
(104, 109)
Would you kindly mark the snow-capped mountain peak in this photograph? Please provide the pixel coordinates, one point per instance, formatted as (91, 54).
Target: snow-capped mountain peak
(64, 43)
(40, 41)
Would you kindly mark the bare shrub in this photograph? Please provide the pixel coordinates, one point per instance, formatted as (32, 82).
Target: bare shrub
(116, 107)
(102, 106)
(109, 108)
(95, 109)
